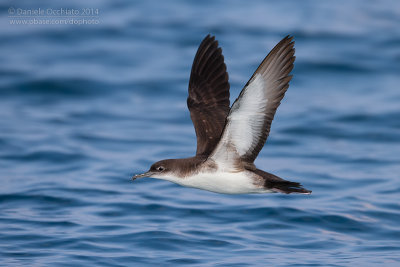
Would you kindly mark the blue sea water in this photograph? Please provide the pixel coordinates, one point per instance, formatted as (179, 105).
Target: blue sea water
(83, 107)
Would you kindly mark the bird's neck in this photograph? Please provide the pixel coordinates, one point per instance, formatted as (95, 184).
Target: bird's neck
(189, 166)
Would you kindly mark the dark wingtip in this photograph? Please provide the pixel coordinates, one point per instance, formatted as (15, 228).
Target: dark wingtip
(209, 37)
(290, 38)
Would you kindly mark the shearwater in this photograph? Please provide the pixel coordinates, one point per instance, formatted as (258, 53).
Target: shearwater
(229, 139)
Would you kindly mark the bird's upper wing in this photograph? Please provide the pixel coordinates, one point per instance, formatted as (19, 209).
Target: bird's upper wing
(208, 100)
(249, 120)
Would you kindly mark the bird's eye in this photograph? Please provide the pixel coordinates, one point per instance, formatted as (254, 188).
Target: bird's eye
(160, 169)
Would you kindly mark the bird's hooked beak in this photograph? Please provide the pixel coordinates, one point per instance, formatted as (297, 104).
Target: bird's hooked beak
(146, 174)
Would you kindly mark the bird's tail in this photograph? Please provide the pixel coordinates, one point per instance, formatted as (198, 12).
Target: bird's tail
(277, 184)
(288, 187)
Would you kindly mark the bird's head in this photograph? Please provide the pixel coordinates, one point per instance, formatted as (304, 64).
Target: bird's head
(161, 169)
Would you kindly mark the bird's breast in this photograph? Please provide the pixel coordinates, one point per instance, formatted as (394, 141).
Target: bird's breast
(223, 182)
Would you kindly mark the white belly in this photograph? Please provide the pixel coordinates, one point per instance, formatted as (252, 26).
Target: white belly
(222, 182)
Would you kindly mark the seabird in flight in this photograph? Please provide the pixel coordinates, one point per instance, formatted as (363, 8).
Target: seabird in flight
(230, 138)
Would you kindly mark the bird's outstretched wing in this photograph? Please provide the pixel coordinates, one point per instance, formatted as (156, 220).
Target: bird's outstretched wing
(249, 120)
(208, 100)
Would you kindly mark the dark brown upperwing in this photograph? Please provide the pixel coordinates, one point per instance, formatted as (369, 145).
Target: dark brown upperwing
(208, 100)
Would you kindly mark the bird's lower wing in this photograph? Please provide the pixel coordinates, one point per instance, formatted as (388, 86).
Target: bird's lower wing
(249, 120)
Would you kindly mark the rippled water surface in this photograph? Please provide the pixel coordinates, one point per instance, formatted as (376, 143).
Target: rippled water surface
(83, 107)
